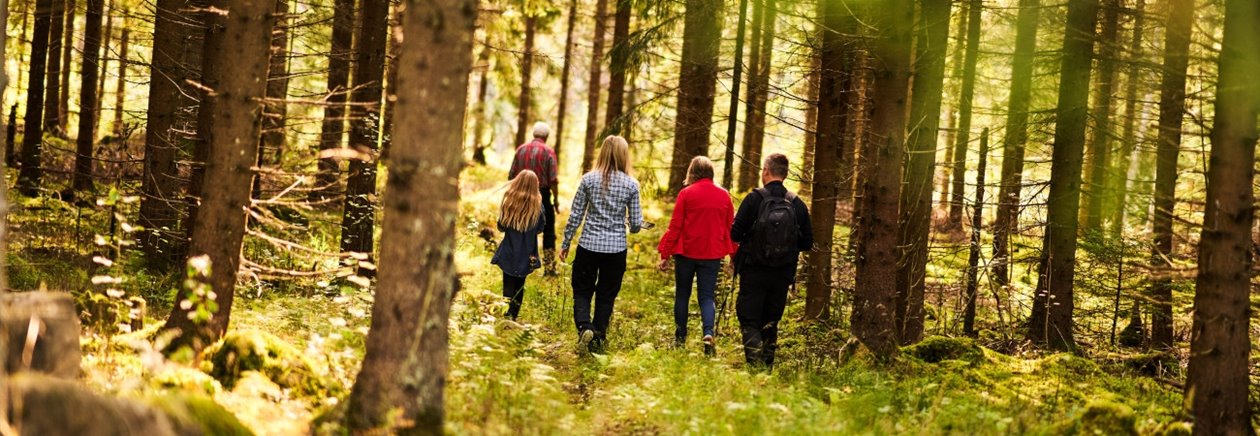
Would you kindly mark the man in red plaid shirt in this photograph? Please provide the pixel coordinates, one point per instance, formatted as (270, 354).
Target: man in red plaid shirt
(538, 157)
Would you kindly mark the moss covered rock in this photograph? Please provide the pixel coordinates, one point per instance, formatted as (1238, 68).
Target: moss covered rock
(1102, 418)
(50, 406)
(1066, 365)
(186, 379)
(250, 350)
(934, 349)
(193, 414)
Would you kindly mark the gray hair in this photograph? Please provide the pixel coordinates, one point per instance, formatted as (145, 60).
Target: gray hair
(541, 130)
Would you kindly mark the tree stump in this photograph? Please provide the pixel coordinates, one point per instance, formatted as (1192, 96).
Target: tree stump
(40, 331)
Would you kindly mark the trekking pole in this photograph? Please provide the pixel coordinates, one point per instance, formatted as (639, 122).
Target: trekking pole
(726, 298)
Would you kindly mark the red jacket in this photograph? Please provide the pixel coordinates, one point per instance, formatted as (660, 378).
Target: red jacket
(700, 227)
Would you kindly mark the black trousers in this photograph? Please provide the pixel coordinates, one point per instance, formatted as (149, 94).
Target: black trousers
(597, 277)
(514, 291)
(759, 307)
(549, 214)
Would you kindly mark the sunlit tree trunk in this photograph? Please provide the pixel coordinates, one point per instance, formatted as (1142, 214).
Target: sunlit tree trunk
(1098, 150)
(618, 62)
(527, 71)
(1118, 180)
(951, 112)
(404, 371)
(562, 111)
(1051, 321)
(1220, 344)
(977, 223)
(932, 35)
(593, 84)
(834, 78)
(481, 112)
(966, 96)
(52, 89)
(87, 98)
(812, 89)
(1172, 109)
(359, 213)
(333, 126)
(234, 59)
(758, 94)
(876, 281)
(67, 48)
(120, 95)
(271, 142)
(1013, 142)
(697, 80)
(32, 138)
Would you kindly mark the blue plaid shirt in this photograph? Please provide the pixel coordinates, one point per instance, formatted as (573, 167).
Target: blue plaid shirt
(604, 208)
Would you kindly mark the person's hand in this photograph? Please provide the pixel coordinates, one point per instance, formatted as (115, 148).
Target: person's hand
(663, 265)
(564, 254)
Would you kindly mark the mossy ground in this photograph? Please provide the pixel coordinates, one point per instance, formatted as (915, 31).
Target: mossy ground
(526, 377)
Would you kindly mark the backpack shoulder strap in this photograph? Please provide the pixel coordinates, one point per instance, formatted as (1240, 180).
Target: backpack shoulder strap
(791, 196)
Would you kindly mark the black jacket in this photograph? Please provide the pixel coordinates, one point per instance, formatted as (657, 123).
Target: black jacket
(741, 231)
(517, 255)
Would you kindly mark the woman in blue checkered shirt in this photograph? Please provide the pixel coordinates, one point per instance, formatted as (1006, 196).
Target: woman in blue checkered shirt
(605, 198)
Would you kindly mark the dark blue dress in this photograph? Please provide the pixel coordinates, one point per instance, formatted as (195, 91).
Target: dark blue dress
(517, 255)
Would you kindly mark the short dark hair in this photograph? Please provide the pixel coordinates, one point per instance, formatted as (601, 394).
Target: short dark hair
(777, 165)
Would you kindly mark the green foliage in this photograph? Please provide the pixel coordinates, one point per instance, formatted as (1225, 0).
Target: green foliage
(242, 351)
(198, 414)
(1101, 418)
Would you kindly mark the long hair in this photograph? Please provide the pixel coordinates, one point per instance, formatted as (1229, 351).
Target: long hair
(522, 204)
(614, 156)
(701, 168)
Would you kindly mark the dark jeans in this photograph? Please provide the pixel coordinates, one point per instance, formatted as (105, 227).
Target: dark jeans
(514, 291)
(549, 213)
(705, 274)
(596, 276)
(759, 307)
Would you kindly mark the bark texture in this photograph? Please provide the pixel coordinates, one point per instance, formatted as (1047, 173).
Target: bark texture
(1015, 139)
(593, 84)
(697, 80)
(359, 213)
(87, 98)
(33, 136)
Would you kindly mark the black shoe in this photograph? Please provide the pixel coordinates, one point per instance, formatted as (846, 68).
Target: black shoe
(709, 349)
(585, 338)
(597, 345)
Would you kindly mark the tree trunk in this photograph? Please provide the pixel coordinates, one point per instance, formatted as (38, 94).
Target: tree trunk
(333, 126)
(977, 222)
(359, 215)
(87, 98)
(876, 280)
(106, 40)
(228, 127)
(481, 112)
(271, 142)
(1218, 378)
(33, 138)
(833, 102)
(1098, 152)
(916, 200)
(1016, 137)
(1118, 180)
(404, 370)
(527, 70)
(52, 90)
(562, 113)
(391, 75)
(732, 116)
(812, 89)
(120, 104)
(172, 113)
(702, 31)
(619, 57)
(593, 84)
(962, 136)
(951, 113)
(1172, 110)
(1051, 320)
(758, 96)
(67, 48)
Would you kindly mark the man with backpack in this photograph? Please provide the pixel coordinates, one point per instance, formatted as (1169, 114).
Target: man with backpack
(772, 228)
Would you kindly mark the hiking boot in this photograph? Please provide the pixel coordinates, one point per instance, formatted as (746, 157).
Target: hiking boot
(585, 339)
(709, 349)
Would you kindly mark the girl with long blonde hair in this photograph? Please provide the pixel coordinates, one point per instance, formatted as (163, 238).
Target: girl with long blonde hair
(606, 203)
(520, 220)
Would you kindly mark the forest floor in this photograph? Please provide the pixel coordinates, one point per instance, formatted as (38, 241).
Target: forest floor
(527, 377)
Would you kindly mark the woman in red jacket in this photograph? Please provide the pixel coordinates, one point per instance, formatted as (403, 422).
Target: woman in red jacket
(698, 238)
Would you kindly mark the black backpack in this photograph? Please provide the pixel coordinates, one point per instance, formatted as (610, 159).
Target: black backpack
(775, 233)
